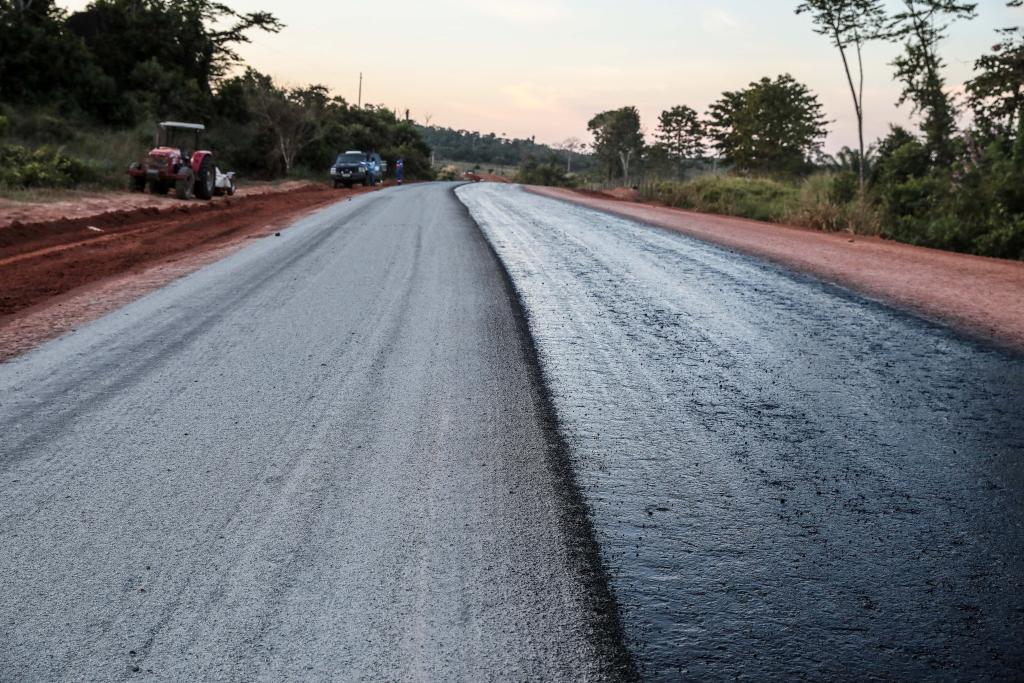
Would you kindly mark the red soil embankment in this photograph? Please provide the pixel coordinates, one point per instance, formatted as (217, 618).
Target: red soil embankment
(981, 296)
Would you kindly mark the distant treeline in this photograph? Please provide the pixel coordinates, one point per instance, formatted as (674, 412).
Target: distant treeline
(490, 149)
(123, 64)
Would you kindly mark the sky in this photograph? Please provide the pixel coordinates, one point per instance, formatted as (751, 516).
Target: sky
(543, 67)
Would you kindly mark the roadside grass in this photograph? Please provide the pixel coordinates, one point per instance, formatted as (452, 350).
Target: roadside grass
(49, 158)
(822, 201)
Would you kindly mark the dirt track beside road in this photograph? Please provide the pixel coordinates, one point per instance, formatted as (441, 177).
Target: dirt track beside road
(981, 296)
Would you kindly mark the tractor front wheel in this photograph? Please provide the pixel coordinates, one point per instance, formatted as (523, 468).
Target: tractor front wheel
(184, 186)
(206, 179)
(157, 187)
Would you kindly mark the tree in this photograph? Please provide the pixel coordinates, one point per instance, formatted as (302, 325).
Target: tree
(41, 62)
(772, 126)
(849, 24)
(681, 133)
(996, 94)
(164, 57)
(617, 138)
(570, 146)
(295, 117)
(921, 25)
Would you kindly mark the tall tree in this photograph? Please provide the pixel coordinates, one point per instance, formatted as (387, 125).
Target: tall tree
(617, 137)
(681, 133)
(173, 51)
(849, 24)
(295, 117)
(771, 126)
(921, 25)
(996, 94)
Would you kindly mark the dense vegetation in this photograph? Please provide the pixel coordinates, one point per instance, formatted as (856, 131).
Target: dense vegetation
(947, 185)
(111, 70)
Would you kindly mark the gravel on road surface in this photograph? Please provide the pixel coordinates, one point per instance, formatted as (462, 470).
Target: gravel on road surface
(787, 481)
(325, 457)
(978, 295)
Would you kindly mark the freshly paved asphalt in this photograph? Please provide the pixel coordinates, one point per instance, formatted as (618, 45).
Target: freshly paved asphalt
(327, 456)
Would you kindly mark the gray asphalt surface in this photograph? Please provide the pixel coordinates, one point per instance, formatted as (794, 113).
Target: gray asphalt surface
(327, 456)
(787, 481)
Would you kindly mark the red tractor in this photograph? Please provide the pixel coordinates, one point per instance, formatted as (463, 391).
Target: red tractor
(177, 162)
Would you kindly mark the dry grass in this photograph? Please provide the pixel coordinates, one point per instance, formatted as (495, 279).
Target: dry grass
(810, 203)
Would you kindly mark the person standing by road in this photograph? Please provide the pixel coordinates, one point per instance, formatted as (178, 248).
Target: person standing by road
(399, 170)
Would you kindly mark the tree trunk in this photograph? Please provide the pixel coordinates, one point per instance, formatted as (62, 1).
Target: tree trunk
(624, 157)
(858, 98)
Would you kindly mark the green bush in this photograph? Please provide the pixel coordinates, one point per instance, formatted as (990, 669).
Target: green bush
(845, 187)
(21, 167)
(977, 206)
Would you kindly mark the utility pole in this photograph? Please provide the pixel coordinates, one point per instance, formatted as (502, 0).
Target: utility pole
(360, 105)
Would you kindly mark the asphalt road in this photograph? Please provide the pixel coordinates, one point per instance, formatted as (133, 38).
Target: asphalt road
(787, 481)
(327, 456)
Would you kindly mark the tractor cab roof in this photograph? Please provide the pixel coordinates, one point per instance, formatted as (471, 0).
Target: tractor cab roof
(178, 124)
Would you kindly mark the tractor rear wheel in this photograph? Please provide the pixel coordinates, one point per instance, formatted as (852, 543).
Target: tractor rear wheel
(184, 187)
(206, 178)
